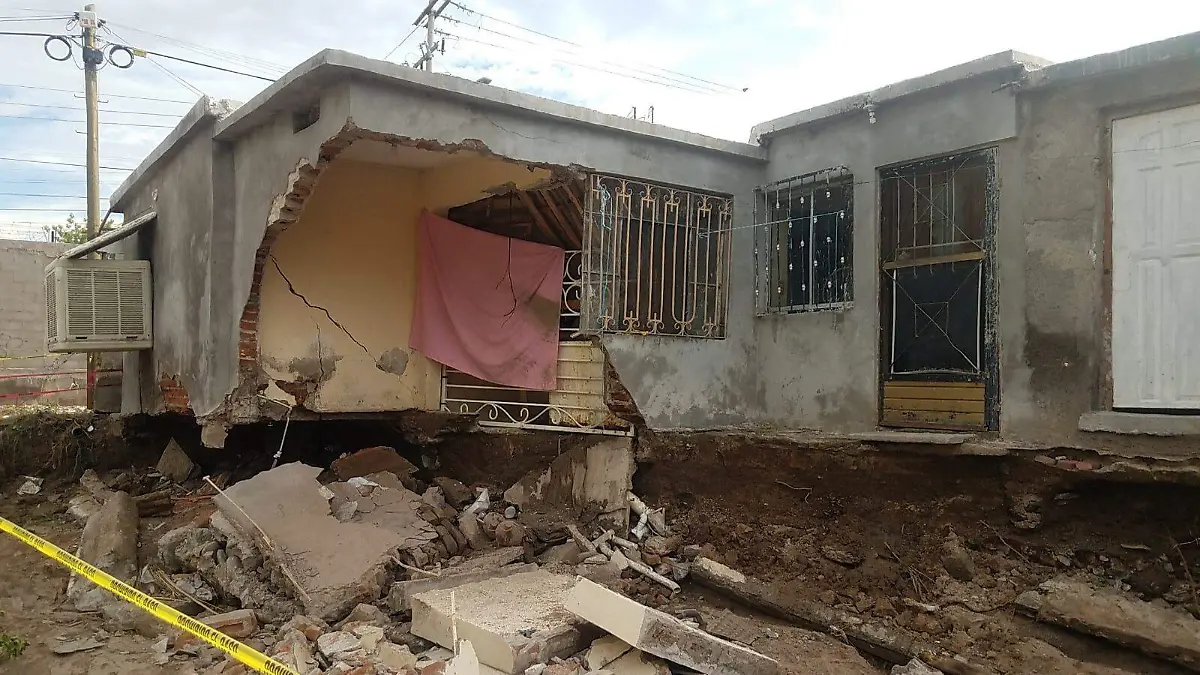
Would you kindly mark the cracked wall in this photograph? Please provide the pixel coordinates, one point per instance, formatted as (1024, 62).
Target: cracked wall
(338, 291)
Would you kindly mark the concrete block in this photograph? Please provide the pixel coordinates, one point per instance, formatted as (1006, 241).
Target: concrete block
(513, 622)
(239, 624)
(401, 594)
(372, 460)
(175, 463)
(662, 635)
(600, 474)
(110, 542)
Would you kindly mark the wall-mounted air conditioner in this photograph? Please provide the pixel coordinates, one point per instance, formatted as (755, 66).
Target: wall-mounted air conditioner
(98, 305)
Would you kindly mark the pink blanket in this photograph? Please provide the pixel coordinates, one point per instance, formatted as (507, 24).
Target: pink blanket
(488, 305)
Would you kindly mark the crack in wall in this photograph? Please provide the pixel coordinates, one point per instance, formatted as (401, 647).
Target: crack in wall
(298, 294)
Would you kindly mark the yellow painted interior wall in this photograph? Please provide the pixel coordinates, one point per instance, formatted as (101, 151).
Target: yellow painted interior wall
(353, 253)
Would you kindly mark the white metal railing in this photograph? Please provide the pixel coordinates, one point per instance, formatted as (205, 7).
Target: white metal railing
(656, 259)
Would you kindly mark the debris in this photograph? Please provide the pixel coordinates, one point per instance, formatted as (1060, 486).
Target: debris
(660, 546)
(175, 463)
(75, 646)
(585, 544)
(372, 460)
(955, 559)
(237, 624)
(513, 622)
(334, 565)
(643, 525)
(889, 643)
(662, 635)
(96, 487)
(468, 524)
(457, 494)
(465, 663)
(844, 558)
(339, 645)
(564, 554)
(309, 627)
(645, 571)
(31, 486)
(1165, 633)
(481, 504)
(606, 650)
(921, 606)
(82, 507)
(582, 480)
(345, 511)
(397, 657)
(914, 667)
(510, 533)
(656, 518)
(154, 503)
(109, 542)
(366, 614)
(638, 663)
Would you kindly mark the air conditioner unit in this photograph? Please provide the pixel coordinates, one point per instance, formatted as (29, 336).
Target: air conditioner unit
(98, 305)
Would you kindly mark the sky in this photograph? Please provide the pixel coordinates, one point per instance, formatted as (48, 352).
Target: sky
(715, 67)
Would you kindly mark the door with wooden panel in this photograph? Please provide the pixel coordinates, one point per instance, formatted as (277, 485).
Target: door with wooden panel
(936, 218)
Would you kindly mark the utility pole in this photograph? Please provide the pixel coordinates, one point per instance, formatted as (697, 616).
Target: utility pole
(92, 58)
(429, 15)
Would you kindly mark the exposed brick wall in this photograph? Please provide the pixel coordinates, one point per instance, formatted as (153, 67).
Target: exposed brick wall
(174, 396)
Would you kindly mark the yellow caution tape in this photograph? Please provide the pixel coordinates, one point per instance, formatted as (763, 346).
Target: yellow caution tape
(251, 658)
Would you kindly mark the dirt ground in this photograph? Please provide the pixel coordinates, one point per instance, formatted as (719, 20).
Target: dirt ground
(867, 532)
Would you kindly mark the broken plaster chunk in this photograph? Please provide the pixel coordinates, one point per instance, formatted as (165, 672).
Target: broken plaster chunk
(606, 650)
(372, 460)
(662, 635)
(339, 645)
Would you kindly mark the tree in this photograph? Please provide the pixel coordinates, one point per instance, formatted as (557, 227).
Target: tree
(72, 231)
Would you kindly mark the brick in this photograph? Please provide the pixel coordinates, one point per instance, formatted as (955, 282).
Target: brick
(241, 623)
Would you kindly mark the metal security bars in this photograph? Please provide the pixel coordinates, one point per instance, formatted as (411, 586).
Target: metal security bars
(656, 259)
(577, 403)
(935, 218)
(804, 243)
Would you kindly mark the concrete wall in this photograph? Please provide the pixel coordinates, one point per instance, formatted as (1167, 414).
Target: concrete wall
(1058, 355)
(676, 382)
(25, 368)
(824, 371)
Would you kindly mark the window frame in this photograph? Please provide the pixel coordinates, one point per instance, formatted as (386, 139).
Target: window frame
(774, 292)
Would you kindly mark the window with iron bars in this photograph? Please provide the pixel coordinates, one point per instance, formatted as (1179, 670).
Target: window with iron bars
(656, 259)
(804, 243)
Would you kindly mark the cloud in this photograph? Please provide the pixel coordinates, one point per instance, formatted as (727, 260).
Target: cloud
(689, 59)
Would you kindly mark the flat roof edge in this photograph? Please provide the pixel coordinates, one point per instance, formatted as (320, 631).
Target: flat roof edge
(1180, 48)
(319, 71)
(993, 63)
(204, 109)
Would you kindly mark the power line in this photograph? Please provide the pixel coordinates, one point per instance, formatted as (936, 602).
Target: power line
(665, 81)
(169, 73)
(42, 161)
(107, 110)
(7, 19)
(579, 46)
(588, 67)
(232, 57)
(401, 43)
(115, 124)
(106, 94)
(43, 210)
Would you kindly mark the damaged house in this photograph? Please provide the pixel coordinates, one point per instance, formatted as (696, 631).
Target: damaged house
(1002, 250)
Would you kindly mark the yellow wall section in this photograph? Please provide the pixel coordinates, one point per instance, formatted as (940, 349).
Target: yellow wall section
(353, 252)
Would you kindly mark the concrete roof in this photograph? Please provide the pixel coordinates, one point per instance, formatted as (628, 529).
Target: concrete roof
(1182, 48)
(1002, 61)
(205, 110)
(331, 65)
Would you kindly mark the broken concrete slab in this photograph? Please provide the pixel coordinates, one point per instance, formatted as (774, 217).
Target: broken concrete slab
(457, 494)
(1169, 634)
(490, 560)
(606, 650)
(401, 594)
(513, 622)
(372, 460)
(175, 463)
(109, 542)
(333, 565)
(589, 479)
(239, 623)
(638, 663)
(662, 635)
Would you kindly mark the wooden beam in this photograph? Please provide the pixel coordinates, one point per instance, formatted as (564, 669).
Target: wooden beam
(570, 188)
(534, 213)
(573, 237)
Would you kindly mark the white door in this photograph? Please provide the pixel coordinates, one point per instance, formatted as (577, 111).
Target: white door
(1156, 260)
